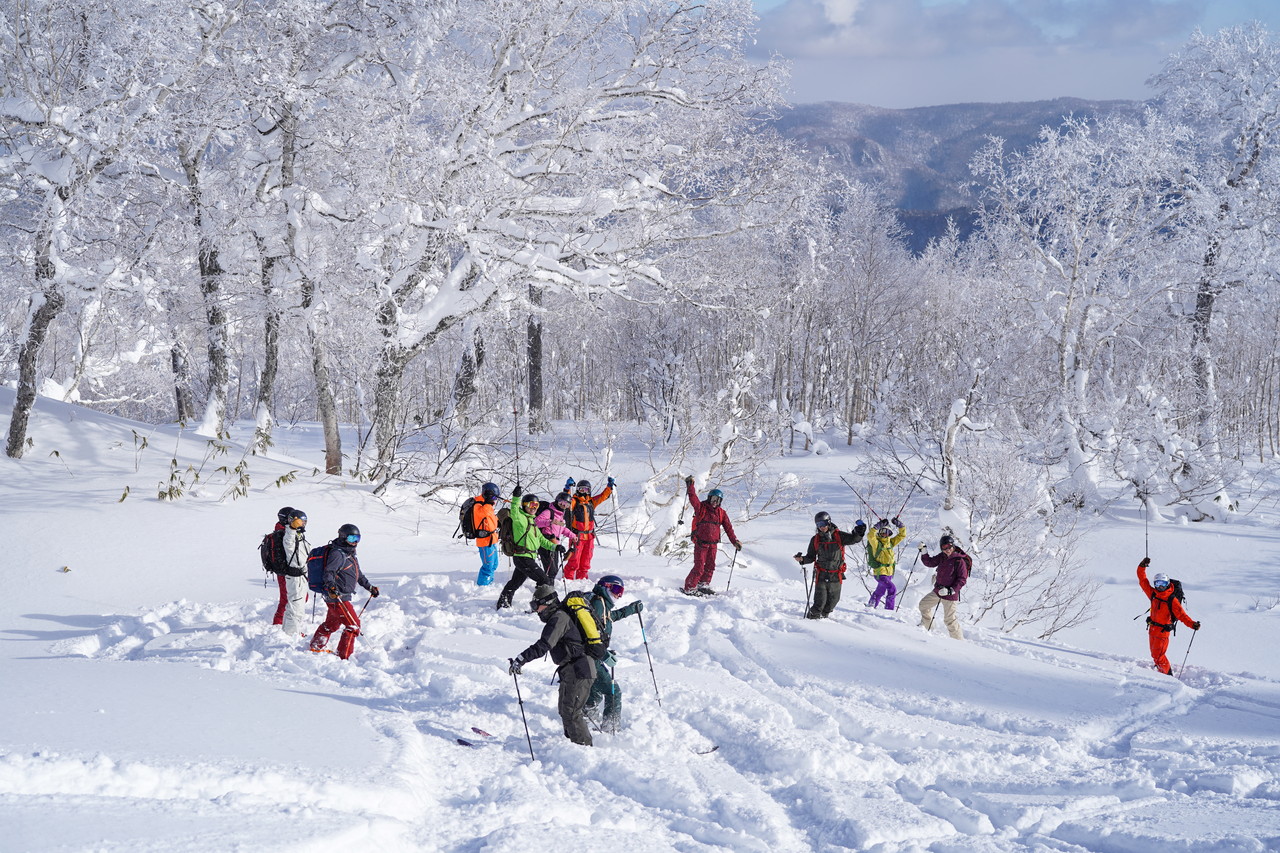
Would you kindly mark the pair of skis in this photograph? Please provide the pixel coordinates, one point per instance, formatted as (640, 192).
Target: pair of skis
(479, 744)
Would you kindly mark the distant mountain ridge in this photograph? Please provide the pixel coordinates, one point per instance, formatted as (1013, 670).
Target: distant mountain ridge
(920, 156)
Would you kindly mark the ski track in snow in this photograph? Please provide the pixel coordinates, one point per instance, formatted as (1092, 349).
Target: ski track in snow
(806, 761)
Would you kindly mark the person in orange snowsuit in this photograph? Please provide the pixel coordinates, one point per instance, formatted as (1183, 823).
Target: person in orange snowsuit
(581, 519)
(1165, 608)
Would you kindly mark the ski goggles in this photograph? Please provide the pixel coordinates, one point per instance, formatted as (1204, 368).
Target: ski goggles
(1161, 584)
(353, 538)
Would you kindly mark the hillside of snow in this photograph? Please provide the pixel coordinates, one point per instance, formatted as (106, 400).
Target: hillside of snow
(148, 704)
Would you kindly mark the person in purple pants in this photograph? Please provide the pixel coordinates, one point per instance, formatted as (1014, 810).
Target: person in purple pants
(882, 559)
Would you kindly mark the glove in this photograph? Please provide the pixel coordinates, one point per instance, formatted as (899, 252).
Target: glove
(860, 523)
(568, 485)
(373, 590)
(332, 591)
(944, 590)
(737, 545)
(562, 551)
(860, 528)
(799, 557)
(689, 480)
(897, 522)
(1195, 626)
(1146, 561)
(923, 549)
(610, 483)
(517, 491)
(640, 607)
(514, 665)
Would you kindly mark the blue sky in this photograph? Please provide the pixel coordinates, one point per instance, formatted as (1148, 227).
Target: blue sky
(908, 53)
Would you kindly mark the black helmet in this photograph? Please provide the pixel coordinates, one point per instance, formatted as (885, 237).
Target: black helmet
(584, 487)
(543, 593)
(489, 491)
(564, 500)
(349, 533)
(945, 541)
(530, 498)
(822, 519)
(296, 515)
(283, 515)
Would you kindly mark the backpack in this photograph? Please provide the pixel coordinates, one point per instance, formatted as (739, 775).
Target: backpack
(271, 550)
(593, 633)
(1181, 596)
(506, 535)
(467, 518)
(315, 568)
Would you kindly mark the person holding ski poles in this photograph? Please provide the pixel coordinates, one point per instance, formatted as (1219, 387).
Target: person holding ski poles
(485, 521)
(341, 574)
(953, 566)
(562, 638)
(293, 580)
(582, 521)
(528, 541)
(603, 595)
(882, 559)
(708, 518)
(551, 521)
(1166, 612)
(826, 552)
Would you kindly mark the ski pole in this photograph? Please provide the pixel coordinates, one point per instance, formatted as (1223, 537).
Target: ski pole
(515, 422)
(902, 596)
(732, 563)
(617, 522)
(520, 699)
(808, 590)
(909, 494)
(1184, 657)
(654, 675)
(871, 509)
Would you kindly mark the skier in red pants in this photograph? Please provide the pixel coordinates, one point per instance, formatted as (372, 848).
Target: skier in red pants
(341, 574)
(708, 518)
(1165, 608)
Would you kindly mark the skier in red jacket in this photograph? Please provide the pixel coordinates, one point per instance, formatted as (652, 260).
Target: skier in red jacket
(708, 518)
(1165, 608)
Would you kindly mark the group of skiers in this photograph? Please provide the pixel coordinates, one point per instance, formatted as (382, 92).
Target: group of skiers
(539, 536)
(286, 553)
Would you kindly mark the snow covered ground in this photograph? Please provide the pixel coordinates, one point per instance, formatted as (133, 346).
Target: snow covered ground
(148, 705)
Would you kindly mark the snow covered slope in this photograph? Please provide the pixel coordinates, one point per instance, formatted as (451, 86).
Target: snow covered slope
(148, 704)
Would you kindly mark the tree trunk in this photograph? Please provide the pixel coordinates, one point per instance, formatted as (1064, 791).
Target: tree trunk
(184, 400)
(464, 382)
(210, 268)
(537, 419)
(271, 354)
(28, 360)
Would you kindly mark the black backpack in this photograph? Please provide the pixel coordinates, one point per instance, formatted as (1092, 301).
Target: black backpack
(506, 535)
(467, 519)
(271, 550)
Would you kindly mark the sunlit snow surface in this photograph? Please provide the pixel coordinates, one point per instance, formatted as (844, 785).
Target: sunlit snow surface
(148, 705)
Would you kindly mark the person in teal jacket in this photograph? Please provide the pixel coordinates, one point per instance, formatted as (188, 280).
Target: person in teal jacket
(882, 559)
(528, 539)
(606, 591)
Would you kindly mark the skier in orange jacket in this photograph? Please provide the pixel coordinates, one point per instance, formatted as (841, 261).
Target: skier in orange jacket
(1165, 608)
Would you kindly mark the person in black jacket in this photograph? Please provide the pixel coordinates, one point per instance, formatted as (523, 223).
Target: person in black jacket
(562, 638)
(341, 575)
(826, 552)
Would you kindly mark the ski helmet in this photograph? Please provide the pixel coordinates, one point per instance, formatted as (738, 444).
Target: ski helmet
(283, 515)
(715, 495)
(612, 584)
(1160, 581)
(945, 541)
(822, 519)
(584, 487)
(544, 593)
(297, 519)
(882, 528)
(530, 498)
(564, 500)
(489, 491)
(349, 533)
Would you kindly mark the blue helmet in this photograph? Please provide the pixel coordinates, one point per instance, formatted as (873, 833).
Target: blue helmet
(489, 491)
(715, 494)
(612, 584)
